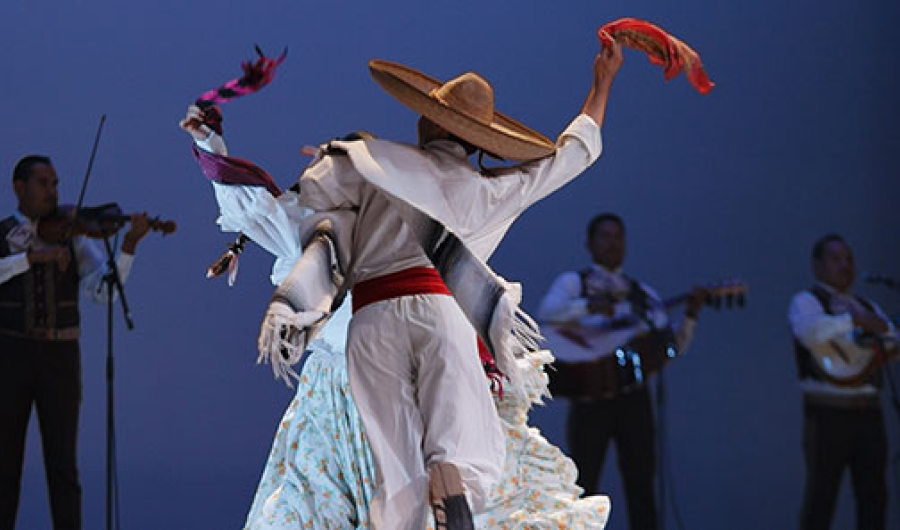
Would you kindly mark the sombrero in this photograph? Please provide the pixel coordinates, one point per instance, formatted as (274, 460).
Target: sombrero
(463, 106)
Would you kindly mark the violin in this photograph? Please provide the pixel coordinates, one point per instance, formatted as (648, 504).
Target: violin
(93, 222)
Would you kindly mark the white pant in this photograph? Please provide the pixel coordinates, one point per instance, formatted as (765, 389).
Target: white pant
(421, 392)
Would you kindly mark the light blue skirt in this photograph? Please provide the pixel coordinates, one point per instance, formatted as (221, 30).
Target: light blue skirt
(320, 473)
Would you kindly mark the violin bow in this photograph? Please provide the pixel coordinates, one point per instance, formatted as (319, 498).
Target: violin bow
(87, 175)
(90, 166)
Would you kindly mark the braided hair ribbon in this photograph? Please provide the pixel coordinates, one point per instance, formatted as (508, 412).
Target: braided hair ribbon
(663, 49)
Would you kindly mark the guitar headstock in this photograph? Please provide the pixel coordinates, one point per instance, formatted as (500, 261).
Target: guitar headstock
(728, 293)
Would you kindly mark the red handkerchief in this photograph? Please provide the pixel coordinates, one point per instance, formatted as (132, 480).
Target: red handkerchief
(661, 47)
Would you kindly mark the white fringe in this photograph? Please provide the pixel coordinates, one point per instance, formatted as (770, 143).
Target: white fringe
(516, 338)
(536, 384)
(283, 337)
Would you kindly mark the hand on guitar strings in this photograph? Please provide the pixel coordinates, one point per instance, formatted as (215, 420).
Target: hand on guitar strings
(698, 297)
(868, 321)
(602, 303)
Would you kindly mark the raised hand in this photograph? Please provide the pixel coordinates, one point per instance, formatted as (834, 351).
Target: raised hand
(193, 124)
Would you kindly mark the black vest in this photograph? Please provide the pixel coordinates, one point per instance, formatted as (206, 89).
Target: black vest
(805, 367)
(41, 303)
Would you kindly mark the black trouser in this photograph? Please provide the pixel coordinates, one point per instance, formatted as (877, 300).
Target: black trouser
(835, 439)
(47, 375)
(628, 421)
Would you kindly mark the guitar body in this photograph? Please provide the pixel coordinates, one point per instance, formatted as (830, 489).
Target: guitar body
(625, 369)
(580, 374)
(849, 359)
(588, 380)
(846, 361)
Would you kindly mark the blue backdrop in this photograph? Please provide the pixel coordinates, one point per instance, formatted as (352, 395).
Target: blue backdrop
(798, 138)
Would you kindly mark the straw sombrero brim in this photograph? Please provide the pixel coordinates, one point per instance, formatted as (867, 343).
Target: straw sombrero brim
(504, 136)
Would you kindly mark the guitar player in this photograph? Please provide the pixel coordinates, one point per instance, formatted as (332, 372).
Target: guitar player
(843, 421)
(604, 298)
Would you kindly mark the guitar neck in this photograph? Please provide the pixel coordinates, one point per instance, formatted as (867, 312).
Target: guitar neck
(675, 301)
(728, 297)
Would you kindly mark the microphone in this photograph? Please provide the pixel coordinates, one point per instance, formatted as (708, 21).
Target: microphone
(880, 278)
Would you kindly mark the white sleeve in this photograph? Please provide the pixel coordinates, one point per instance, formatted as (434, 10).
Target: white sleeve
(563, 302)
(13, 265)
(578, 147)
(812, 325)
(92, 267)
(330, 183)
(213, 144)
(269, 221)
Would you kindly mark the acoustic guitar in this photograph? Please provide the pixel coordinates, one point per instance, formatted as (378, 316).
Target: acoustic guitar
(850, 360)
(642, 352)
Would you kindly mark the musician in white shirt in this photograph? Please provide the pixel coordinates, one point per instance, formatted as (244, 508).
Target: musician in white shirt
(593, 299)
(840, 379)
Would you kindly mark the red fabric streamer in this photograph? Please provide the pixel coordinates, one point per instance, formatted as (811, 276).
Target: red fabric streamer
(256, 75)
(662, 48)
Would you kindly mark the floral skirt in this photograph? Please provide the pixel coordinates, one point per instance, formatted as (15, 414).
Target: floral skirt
(320, 473)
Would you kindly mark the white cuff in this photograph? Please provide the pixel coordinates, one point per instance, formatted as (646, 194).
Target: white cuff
(213, 144)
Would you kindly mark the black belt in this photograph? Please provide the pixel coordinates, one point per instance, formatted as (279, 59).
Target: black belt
(63, 334)
(840, 401)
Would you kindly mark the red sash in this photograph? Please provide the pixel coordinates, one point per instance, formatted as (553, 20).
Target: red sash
(408, 282)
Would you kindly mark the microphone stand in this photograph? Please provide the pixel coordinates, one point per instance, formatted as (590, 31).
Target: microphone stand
(893, 399)
(113, 282)
(661, 456)
(889, 371)
(894, 403)
(665, 476)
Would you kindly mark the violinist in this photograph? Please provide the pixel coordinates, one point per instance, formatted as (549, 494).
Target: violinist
(40, 360)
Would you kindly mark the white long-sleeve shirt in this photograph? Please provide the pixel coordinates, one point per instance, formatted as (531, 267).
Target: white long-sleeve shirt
(566, 304)
(90, 258)
(438, 180)
(477, 209)
(271, 222)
